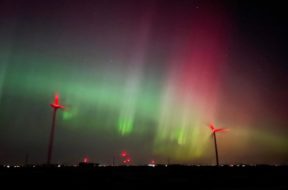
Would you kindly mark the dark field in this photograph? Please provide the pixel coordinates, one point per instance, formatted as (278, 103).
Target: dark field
(260, 177)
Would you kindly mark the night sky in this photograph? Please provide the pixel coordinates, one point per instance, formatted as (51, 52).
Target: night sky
(147, 77)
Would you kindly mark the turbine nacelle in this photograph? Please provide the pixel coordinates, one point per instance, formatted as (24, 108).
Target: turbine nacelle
(56, 104)
(216, 130)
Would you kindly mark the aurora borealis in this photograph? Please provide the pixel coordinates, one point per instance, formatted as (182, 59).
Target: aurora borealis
(144, 76)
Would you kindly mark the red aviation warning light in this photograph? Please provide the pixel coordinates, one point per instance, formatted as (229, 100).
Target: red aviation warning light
(56, 104)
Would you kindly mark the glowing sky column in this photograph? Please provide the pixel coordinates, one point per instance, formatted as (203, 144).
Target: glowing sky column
(55, 105)
(134, 77)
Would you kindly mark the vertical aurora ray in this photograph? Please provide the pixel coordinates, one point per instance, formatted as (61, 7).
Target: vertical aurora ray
(134, 78)
(191, 92)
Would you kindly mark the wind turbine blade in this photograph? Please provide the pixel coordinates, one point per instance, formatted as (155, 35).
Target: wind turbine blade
(220, 130)
(212, 127)
(56, 99)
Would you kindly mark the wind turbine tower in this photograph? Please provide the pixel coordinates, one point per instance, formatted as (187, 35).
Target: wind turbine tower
(214, 131)
(55, 106)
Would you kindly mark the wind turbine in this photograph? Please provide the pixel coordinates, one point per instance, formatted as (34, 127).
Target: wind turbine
(55, 105)
(214, 131)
